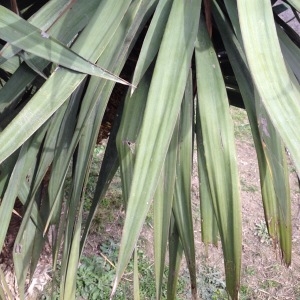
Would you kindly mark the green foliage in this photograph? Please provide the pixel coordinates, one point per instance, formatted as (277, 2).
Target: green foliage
(261, 231)
(242, 129)
(211, 284)
(95, 276)
(59, 64)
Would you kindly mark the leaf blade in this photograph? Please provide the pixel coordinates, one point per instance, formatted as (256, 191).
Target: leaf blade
(22, 34)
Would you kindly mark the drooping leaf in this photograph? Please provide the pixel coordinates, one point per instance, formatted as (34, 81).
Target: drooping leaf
(152, 39)
(221, 165)
(277, 163)
(43, 19)
(172, 64)
(209, 227)
(270, 198)
(175, 256)
(48, 99)
(22, 34)
(162, 210)
(64, 30)
(278, 94)
(182, 206)
(141, 11)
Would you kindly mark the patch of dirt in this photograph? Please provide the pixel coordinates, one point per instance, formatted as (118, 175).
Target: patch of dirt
(263, 274)
(41, 275)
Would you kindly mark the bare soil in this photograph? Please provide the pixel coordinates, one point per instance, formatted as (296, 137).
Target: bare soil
(263, 274)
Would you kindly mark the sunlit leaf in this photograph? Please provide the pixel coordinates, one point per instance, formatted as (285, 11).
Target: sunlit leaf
(22, 34)
(221, 165)
(172, 64)
(269, 72)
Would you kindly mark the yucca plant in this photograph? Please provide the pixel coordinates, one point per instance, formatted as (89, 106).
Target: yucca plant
(60, 61)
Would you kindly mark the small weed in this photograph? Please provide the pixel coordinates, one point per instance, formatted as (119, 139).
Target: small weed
(93, 176)
(249, 271)
(241, 124)
(261, 231)
(248, 187)
(268, 284)
(297, 292)
(211, 284)
(246, 292)
(95, 276)
(107, 213)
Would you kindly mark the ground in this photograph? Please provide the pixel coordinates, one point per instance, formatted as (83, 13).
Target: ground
(263, 274)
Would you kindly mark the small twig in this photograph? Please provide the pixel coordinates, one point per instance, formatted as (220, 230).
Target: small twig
(263, 291)
(274, 280)
(106, 258)
(127, 279)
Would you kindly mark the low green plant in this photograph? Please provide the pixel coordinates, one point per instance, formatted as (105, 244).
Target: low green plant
(269, 284)
(95, 276)
(246, 187)
(188, 54)
(261, 231)
(211, 284)
(242, 130)
(93, 176)
(249, 270)
(246, 292)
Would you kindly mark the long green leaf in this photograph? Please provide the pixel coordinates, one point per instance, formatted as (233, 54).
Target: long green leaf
(129, 131)
(219, 147)
(175, 256)
(70, 277)
(25, 238)
(136, 284)
(64, 30)
(159, 120)
(290, 51)
(209, 227)
(43, 19)
(22, 253)
(22, 34)
(152, 39)
(80, 171)
(277, 162)
(49, 98)
(182, 206)
(269, 188)
(11, 193)
(58, 173)
(279, 97)
(162, 210)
